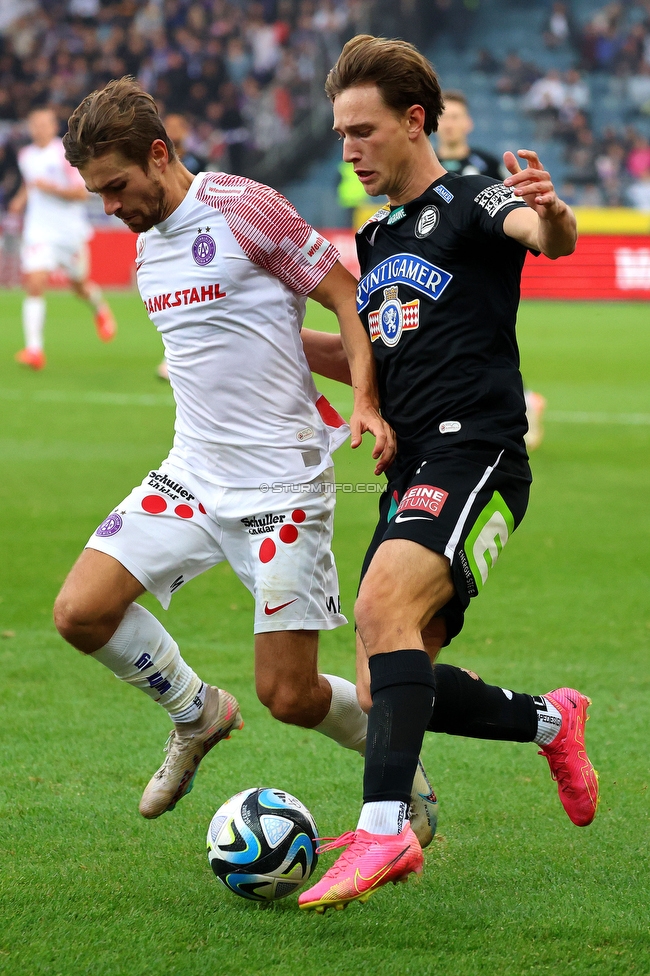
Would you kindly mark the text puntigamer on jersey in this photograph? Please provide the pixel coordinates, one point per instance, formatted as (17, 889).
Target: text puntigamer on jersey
(406, 269)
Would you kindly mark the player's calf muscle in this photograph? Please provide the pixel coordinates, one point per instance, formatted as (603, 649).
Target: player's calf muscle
(287, 679)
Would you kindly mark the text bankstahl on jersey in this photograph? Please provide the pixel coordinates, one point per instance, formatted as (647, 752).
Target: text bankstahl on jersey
(438, 294)
(224, 279)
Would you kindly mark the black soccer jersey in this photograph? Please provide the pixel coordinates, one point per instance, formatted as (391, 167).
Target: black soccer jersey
(438, 295)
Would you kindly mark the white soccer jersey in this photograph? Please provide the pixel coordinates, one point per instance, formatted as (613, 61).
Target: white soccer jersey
(48, 218)
(224, 279)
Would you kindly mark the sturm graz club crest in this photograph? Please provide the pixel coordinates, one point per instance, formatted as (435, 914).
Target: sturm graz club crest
(204, 248)
(427, 222)
(392, 317)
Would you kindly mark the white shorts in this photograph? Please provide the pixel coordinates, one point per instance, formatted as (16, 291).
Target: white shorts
(47, 256)
(174, 526)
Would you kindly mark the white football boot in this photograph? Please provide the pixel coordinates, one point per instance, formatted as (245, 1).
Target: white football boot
(423, 811)
(186, 746)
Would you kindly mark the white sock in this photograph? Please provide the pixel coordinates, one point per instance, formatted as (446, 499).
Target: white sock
(549, 721)
(346, 722)
(383, 817)
(95, 295)
(143, 654)
(33, 322)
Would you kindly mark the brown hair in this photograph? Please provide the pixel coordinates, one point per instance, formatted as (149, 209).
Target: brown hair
(453, 95)
(403, 76)
(122, 117)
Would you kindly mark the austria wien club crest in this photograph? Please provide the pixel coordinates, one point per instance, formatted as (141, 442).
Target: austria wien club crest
(392, 317)
(204, 248)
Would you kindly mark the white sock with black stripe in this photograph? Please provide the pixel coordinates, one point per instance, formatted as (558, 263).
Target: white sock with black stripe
(143, 654)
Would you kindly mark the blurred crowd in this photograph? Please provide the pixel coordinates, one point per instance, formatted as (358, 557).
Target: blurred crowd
(245, 74)
(242, 72)
(611, 168)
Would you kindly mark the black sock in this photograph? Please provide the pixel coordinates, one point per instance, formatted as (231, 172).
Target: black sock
(402, 688)
(467, 706)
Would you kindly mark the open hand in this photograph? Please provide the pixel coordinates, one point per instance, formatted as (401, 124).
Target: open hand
(532, 184)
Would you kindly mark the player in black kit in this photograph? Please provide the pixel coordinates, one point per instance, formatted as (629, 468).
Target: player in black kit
(457, 156)
(453, 150)
(439, 289)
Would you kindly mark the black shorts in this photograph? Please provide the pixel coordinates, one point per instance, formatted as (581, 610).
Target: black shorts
(463, 502)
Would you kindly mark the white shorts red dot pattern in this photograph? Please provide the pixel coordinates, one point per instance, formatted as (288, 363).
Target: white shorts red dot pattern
(278, 544)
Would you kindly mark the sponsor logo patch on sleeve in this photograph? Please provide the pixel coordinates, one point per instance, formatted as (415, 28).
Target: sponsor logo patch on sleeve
(496, 197)
(314, 247)
(443, 192)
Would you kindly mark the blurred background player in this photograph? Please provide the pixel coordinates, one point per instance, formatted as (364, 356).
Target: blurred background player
(55, 233)
(457, 156)
(178, 130)
(452, 147)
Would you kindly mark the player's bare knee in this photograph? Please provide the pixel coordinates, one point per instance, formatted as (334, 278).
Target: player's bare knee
(371, 614)
(285, 708)
(288, 704)
(83, 625)
(68, 619)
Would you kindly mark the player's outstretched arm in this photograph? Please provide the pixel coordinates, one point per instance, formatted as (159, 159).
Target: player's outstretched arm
(337, 292)
(549, 225)
(70, 193)
(326, 355)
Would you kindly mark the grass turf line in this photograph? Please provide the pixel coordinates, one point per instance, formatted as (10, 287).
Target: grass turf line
(510, 886)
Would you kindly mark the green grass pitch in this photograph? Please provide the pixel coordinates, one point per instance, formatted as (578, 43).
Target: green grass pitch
(510, 886)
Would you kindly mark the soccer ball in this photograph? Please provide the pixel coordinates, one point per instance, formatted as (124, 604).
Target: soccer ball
(262, 844)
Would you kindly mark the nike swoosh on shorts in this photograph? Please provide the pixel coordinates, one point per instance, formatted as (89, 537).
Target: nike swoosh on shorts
(400, 517)
(271, 610)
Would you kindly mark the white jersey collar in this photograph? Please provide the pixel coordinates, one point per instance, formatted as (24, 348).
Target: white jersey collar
(177, 216)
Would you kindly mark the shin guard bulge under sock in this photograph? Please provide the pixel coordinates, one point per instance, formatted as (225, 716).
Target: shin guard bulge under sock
(402, 689)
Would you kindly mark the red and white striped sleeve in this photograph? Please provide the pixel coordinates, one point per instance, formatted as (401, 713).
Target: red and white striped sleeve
(270, 230)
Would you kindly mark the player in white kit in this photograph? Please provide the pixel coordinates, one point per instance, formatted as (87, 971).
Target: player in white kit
(55, 233)
(224, 266)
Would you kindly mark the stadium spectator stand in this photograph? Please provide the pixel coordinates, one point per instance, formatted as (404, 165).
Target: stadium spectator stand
(590, 61)
(572, 79)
